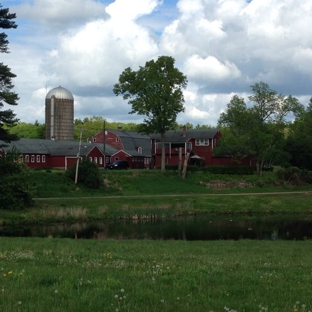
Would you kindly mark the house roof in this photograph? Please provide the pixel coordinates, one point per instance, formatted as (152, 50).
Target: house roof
(55, 148)
(131, 141)
(176, 136)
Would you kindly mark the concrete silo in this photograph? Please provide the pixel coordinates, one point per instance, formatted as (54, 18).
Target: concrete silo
(59, 114)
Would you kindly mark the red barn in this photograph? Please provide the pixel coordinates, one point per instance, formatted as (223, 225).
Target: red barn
(37, 153)
(129, 145)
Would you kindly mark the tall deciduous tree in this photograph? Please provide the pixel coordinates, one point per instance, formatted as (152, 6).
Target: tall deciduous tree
(254, 131)
(154, 91)
(299, 140)
(7, 96)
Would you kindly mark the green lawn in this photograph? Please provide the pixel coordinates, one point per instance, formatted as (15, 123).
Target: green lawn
(111, 275)
(148, 193)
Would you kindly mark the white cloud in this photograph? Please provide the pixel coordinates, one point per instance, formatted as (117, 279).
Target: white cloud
(123, 10)
(61, 13)
(223, 46)
(210, 68)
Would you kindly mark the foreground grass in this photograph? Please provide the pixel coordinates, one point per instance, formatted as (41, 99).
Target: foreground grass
(78, 275)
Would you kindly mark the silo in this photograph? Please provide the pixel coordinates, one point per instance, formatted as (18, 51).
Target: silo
(59, 114)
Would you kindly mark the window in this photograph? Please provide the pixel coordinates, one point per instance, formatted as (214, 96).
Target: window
(21, 159)
(101, 160)
(116, 158)
(32, 158)
(95, 160)
(94, 139)
(117, 139)
(90, 158)
(43, 158)
(140, 150)
(38, 159)
(27, 158)
(107, 160)
(201, 142)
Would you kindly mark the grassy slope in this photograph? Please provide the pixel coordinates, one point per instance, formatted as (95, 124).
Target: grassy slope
(147, 191)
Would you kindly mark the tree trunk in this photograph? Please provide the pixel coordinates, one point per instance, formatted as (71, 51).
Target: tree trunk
(185, 165)
(163, 153)
(180, 161)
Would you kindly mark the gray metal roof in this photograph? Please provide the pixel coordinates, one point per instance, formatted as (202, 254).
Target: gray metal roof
(176, 136)
(60, 93)
(55, 148)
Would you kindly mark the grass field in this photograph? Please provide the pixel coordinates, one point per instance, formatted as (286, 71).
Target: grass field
(149, 194)
(112, 275)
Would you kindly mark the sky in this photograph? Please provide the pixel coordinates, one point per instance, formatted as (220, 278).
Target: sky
(222, 46)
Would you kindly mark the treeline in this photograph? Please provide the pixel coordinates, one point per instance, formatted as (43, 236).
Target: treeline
(88, 125)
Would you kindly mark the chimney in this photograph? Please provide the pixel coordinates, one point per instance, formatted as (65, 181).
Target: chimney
(184, 131)
(119, 127)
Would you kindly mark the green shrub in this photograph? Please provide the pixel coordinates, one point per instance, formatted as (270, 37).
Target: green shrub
(88, 174)
(294, 175)
(15, 189)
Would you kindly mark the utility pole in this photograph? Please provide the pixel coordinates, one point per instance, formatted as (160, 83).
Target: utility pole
(78, 155)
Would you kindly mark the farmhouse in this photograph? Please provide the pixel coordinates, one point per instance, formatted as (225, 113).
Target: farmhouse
(199, 143)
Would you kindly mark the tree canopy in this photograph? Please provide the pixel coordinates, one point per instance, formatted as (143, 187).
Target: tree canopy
(154, 91)
(299, 140)
(7, 117)
(256, 130)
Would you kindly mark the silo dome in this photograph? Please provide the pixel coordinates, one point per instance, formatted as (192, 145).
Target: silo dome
(60, 93)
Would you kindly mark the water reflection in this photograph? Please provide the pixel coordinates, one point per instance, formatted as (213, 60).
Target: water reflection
(184, 228)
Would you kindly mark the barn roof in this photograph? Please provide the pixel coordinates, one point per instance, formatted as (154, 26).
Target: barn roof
(176, 136)
(55, 148)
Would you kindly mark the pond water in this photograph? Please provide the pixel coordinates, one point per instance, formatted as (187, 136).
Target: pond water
(206, 227)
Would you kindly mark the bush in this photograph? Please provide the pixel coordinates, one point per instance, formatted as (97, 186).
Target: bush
(294, 175)
(15, 189)
(88, 174)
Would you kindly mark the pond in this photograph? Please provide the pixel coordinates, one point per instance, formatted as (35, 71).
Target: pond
(208, 227)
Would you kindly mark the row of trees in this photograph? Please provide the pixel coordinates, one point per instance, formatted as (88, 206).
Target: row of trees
(260, 129)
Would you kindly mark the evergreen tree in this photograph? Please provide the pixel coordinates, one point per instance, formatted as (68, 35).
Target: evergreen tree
(7, 96)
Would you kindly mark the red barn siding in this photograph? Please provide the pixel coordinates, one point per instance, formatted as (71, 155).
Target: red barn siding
(110, 139)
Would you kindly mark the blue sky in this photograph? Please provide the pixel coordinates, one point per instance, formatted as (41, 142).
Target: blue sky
(223, 46)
